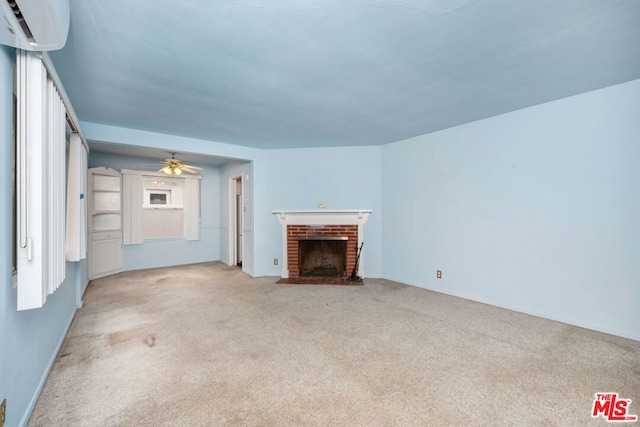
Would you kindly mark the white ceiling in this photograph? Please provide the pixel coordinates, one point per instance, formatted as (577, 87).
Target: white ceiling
(301, 73)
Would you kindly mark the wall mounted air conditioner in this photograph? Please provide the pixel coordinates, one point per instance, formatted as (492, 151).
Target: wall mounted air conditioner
(34, 24)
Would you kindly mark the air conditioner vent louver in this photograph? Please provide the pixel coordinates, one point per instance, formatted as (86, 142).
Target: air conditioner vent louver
(23, 24)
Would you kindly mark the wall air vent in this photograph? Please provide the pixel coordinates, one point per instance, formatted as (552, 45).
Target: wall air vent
(39, 25)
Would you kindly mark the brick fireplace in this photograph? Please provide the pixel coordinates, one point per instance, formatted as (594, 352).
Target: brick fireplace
(328, 234)
(343, 238)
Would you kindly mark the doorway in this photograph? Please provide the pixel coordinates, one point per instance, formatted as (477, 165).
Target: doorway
(236, 221)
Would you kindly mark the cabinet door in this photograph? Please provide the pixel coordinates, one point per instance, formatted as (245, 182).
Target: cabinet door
(106, 257)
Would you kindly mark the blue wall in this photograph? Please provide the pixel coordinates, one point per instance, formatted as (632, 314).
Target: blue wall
(173, 251)
(536, 210)
(29, 340)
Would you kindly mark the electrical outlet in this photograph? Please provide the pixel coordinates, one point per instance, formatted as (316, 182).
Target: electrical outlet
(3, 409)
(439, 274)
(275, 261)
(321, 206)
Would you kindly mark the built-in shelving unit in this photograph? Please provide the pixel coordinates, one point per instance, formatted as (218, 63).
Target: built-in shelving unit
(105, 222)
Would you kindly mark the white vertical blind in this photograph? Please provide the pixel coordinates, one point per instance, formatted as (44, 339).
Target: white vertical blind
(132, 195)
(191, 204)
(54, 167)
(41, 183)
(76, 229)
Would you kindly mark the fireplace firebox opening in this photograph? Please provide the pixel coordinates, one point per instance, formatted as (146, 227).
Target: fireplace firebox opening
(322, 256)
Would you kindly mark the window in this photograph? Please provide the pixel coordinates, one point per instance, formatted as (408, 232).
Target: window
(159, 198)
(163, 192)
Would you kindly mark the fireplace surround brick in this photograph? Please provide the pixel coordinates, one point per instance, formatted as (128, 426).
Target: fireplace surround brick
(296, 231)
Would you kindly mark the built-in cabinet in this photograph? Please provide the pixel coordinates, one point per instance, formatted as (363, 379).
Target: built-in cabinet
(105, 222)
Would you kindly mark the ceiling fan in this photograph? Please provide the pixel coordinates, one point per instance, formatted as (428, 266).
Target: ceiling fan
(174, 166)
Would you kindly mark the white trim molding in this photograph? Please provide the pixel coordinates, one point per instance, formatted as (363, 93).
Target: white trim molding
(320, 217)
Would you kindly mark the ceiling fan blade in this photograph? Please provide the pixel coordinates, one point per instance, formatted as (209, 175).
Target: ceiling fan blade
(191, 167)
(191, 171)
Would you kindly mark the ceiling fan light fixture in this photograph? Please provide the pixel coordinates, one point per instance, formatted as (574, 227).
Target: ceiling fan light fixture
(174, 166)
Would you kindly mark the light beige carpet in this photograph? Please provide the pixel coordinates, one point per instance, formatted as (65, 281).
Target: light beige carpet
(206, 345)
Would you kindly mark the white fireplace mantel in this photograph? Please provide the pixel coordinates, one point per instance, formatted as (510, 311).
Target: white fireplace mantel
(320, 217)
(323, 217)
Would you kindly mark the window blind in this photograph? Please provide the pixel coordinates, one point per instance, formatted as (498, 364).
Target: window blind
(76, 226)
(41, 146)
